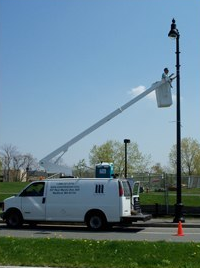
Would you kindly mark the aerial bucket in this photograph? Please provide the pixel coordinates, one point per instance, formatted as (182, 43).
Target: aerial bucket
(164, 95)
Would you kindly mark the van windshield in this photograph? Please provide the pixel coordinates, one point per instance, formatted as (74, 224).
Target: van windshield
(127, 188)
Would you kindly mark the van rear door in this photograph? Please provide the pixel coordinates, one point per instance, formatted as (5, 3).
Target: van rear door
(136, 197)
(125, 197)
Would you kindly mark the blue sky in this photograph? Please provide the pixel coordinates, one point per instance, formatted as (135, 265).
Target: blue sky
(65, 64)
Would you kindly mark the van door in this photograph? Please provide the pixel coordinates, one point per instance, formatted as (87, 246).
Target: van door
(33, 201)
(125, 197)
(136, 197)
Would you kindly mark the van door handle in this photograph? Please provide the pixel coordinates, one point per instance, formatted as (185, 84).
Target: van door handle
(43, 200)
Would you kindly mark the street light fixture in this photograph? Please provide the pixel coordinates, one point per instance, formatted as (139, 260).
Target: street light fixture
(125, 142)
(174, 34)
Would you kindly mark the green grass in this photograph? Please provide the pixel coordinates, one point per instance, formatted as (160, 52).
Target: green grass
(191, 190)
(90, 253)
(12, 187)
(152, 198)
(100, 254)
(8, 189)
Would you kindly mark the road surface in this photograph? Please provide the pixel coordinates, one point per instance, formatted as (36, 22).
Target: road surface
(116, 233)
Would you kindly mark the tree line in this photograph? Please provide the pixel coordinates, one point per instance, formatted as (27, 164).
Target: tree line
(15, 165)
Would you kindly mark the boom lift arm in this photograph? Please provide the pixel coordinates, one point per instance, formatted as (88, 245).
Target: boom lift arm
(54, 167)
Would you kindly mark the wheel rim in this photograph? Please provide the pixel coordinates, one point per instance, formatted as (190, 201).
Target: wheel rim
(96, 222)
(14, 220)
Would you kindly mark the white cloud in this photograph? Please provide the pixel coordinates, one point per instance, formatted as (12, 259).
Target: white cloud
(140, 89)
(137, 90)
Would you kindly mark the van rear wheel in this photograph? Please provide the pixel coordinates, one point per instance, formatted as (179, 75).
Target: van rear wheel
(14, 219)
(96, 221)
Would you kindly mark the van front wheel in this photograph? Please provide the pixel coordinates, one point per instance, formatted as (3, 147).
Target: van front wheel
(96, 221)
(14, 219)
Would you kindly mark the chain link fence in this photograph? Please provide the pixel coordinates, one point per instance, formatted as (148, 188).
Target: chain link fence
(160, 192)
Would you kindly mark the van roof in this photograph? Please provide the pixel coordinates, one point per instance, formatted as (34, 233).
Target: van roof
(75, 179)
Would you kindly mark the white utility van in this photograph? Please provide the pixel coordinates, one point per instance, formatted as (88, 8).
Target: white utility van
(96, 202)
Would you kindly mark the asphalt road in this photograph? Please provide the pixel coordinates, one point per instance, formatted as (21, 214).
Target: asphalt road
(133, 233)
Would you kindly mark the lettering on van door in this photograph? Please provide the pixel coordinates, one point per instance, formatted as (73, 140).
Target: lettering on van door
(63, 188)
(99, 189)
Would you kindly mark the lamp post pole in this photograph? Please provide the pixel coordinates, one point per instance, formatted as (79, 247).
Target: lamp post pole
(125, 168)
(174, 33)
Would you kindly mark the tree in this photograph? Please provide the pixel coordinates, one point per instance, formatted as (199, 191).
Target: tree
(1, 170)
(157, 168)
(8, 152)
(103, 153)
(22, 164)
(15, 165)
(81, 170)
(190, 156)
(113, 151)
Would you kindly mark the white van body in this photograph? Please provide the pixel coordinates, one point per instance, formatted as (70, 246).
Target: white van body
(96, 202)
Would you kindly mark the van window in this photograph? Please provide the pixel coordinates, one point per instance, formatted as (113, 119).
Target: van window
(136, 188)
(127, 188)
(35, 189)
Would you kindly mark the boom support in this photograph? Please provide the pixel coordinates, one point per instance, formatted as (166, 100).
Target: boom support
(51, 167)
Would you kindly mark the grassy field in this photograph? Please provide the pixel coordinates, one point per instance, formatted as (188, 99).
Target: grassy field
(89, 253)
(190, 197)
(8, 189)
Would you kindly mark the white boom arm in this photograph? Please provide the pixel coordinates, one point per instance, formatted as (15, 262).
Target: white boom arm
(51, 167)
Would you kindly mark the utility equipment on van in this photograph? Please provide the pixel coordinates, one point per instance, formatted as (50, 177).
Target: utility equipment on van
(163, 94)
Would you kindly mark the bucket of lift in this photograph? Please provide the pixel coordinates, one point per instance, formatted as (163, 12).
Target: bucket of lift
(164, 94)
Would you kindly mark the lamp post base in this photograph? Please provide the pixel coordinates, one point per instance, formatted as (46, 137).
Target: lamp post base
(178, 213)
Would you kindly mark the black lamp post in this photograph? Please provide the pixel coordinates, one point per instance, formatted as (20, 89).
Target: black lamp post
(174, 34)
(125, 142)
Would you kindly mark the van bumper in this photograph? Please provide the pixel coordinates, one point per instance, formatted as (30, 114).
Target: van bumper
(135, 218)
(2, 215)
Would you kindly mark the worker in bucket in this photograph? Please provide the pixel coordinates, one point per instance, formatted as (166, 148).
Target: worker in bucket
(166, 76)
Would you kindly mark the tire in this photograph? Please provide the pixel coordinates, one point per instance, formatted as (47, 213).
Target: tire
(96, 221)
(14, 219)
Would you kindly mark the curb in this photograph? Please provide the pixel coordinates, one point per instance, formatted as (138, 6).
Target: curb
(167, 224)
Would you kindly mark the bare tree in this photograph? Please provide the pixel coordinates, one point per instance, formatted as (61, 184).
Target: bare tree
(29, 163)
(8, 152)
(16, 165)
(81, 170)
(22, 164)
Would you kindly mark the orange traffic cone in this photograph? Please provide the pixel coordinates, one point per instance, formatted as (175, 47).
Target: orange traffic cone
(180, 229)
